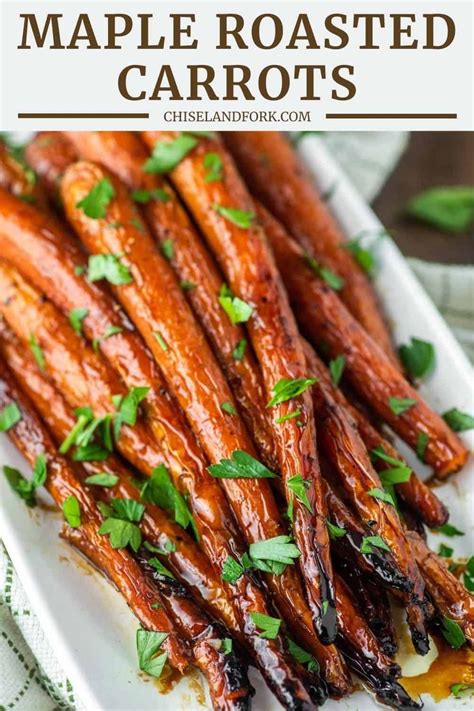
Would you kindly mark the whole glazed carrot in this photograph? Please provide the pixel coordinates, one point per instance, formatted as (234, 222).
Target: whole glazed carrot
(125, 155)
(278, 177)
(184, 557)
(40, 248)
(32, 440)
(241, 249)
(325, 320)
(84, 380)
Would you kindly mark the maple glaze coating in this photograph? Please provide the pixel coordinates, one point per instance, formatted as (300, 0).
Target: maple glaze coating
(251, 274)
(187, 560)
(418, 496)
(31, 439)
(84, 379)
(324, 319)
(125, 155)
(278, 177)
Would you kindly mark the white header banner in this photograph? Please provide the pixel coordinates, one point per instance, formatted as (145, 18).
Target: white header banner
(336, 65)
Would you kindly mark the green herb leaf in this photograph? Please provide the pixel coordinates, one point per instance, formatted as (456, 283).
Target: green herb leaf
(79, 270)
(226, 646)
(144, 196)
(449, 530)
(398, 475)
(239, 351)
(421, 445)
(168, 154)
(269, 626)
(333, 280)
(286, 389)
(76, 317)
(382, 495)
(469, 575)
(160, 568)
(451, 209)
(110, 268)
(103, 479)
(187, 285)
(399, 405)
(9, 416)
(148, 644)
(121, 533)
(168, 249)
(95, 203)
(445, 551)
(279, 549)
(418, 358)
(241, 218)
(72, 511)
(111, 331)
(289, 416)
(127, 408)
(302, 656)
(128, 509)
(37, 352)
(458, 421)
(299, 487)
(231, 571)
(237, 310)
(452, 633)
(161, 341)
(229, 408)
(212, 162)
(25, 489)
(90, 453)
(370, 542)
(363, 256)
(160, 490)
(335, 531)
(241, 466)
(459, 690)
(336, 368)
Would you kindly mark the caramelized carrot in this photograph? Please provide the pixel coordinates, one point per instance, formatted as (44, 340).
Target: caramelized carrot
(125, 155)
(244, 257)
(326, 321)
(19, 179)
(278, 177)
(84, 380)
(49, 154)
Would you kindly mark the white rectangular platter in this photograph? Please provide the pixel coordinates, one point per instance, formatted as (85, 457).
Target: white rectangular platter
(88, 624)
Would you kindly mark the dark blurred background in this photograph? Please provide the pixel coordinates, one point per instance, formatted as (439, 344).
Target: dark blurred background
(432, 159)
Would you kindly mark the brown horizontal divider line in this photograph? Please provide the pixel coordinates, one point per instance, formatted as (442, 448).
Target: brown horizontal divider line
(391, 116)
(80, 116)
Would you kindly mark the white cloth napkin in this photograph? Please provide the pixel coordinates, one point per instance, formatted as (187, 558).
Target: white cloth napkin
(31, 676)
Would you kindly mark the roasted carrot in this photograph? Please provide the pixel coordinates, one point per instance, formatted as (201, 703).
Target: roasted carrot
(125, 155)
(327, 323)
(418, 496)
(244, 257)
(49, 154)
(19, 179)
(32, 439)
(83, 378)
(280, 180)
(184, 557)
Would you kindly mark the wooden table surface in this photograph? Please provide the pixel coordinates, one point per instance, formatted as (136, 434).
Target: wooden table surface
(431, 160)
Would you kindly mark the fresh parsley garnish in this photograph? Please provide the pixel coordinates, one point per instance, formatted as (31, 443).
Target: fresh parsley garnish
(102, 479)
(336, 368)
(469, 575)
(239, 350)
(127, 408)
(451, 209)
(302, 656)
(458, 421)
(231, 570)
(167, 249)
(37, 352)
(241, 466)
(226, 646)
(187, 285)
(111, 331)
(237, 310)
(148, 644)
(160, 490)
(298, 486)
(212, 162)
(399, 405)
(458, 690)
(335, 531)
(382, 495)
(159, 567)
(421, 445)
(25, 489)
(241, 218)
(286, 389)
(418, 358)
(229, 408)
(362, 255)
(371, 542)
(9, 416)
(167, 155)
(269, 626)
(121, 523)
(452, 632)
(445, 551)
(160, 340)
(289, 416)
(95, 203)
(110, 268)
(397, 475)
(76, 317)
(449, 530)
(274, 554)
(72, 511)
(333, 280)
(144, 196)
